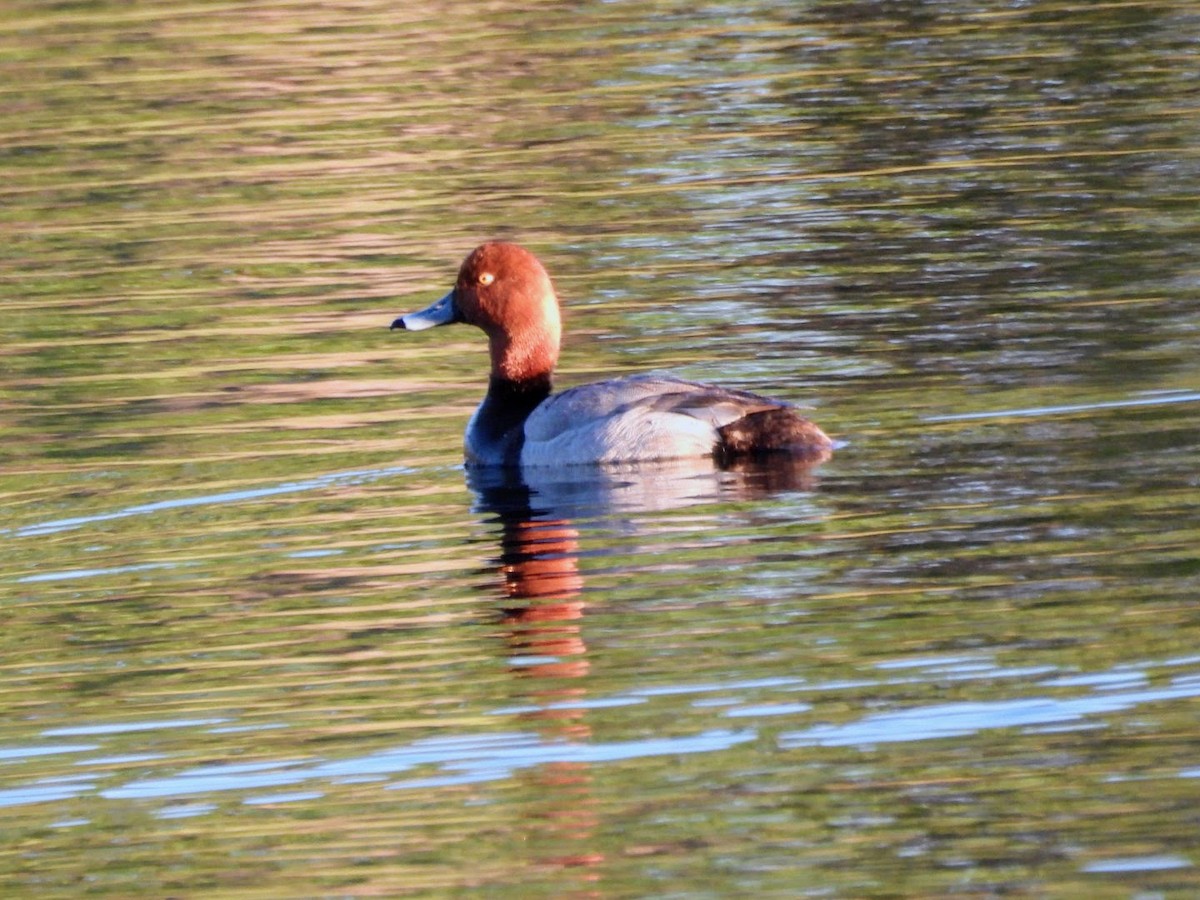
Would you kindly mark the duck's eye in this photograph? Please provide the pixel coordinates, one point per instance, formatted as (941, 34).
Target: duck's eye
(486, 278)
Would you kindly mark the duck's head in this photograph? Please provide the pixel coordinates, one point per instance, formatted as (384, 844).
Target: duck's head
(503, 289)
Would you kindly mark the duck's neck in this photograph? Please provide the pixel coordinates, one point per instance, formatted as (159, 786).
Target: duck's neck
(526, 353)
(522, 397)
(499, 422)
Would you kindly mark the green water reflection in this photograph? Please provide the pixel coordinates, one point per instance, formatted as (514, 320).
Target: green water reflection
(263, 639)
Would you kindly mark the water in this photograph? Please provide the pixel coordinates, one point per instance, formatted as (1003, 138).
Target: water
(264, 638)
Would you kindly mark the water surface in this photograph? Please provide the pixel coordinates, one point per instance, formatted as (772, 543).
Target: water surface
(264, 637)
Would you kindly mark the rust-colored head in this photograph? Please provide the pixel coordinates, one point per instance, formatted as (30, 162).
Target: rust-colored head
(503, 289)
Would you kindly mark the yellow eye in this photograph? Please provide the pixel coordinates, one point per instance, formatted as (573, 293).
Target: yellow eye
(486, 278)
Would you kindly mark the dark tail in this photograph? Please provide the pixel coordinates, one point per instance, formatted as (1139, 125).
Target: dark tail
(779, 430)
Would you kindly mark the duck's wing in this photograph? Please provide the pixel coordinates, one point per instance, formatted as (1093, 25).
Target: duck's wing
(645, 417)
(642, 395)
(717, 406)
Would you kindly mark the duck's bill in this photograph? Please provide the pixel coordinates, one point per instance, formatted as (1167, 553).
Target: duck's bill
(443, 312)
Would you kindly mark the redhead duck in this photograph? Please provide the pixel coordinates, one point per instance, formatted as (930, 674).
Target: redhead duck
(503, 289)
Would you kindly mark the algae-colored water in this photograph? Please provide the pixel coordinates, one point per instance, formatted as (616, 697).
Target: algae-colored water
(263, 638)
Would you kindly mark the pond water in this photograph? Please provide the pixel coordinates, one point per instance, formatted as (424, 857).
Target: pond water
(262, 635)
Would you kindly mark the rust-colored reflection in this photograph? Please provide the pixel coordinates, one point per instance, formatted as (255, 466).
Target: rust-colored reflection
(539, 544)
(539, 565)
(539, 561)
(542, 618)
(543, 608)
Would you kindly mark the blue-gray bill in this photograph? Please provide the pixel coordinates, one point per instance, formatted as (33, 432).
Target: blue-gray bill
(441, 312)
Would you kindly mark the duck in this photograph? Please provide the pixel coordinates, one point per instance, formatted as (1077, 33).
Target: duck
(504, 289)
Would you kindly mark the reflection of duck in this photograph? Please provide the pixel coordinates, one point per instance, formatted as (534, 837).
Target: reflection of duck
(566, 493)
(543, 605)
(539, 544)
(503, 289)
(539, 559)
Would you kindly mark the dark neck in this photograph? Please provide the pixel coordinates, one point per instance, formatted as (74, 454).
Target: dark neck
(506, 407)
(519, 396)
